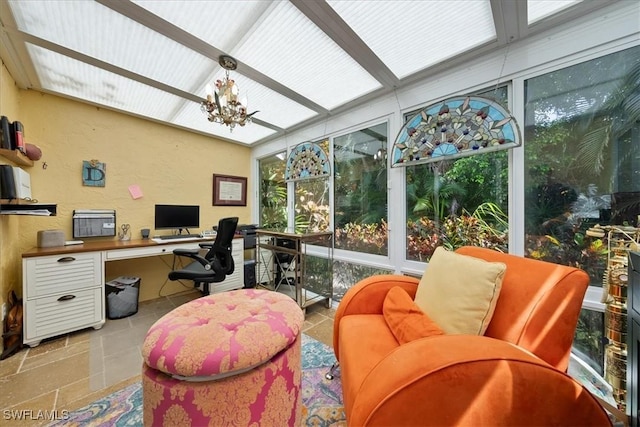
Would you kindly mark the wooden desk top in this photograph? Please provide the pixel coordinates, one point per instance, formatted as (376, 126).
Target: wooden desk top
(106, 245)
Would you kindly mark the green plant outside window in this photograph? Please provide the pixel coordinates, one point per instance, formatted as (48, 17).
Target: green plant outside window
(458, 202)
(312, 202)
(360, 190)
(582, 157)
(273, 192)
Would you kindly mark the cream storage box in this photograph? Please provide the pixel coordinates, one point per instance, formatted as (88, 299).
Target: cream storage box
(50, 238)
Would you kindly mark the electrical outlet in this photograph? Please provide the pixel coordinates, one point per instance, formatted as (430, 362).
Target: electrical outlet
(4, 310)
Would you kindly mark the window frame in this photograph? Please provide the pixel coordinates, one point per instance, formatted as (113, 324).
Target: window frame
(572, 45)
(593, 36)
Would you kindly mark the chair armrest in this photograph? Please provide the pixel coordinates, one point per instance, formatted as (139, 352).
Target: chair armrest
(367, 296)
(205, 245)
(186, 252)
(470, 380)
(191, 253)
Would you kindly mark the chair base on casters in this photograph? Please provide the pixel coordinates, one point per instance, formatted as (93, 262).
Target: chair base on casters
(203, 287)
(331, 374)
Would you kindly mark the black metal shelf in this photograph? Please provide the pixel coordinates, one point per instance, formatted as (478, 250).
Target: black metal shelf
(25, 208)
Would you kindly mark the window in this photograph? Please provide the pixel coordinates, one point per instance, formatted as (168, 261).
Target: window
(273, 192)
(582, 154)
(458, 202)
(312, 202)
(346, 274)
(360, 190)
(582, 157)
(588, 343)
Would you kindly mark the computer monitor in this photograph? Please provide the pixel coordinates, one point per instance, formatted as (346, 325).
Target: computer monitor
(177, 217)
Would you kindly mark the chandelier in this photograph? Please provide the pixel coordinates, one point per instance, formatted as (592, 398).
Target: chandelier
(222, 104)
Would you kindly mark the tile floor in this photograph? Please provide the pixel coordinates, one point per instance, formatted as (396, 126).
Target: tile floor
(73, 370)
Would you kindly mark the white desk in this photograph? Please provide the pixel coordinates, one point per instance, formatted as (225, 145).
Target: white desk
(63, 287)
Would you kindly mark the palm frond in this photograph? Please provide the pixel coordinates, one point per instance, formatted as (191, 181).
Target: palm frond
(591, 150)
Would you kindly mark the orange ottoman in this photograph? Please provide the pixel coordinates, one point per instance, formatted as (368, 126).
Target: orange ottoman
(230, 359)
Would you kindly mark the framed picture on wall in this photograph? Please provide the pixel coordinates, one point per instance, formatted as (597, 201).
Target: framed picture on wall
(229, 190)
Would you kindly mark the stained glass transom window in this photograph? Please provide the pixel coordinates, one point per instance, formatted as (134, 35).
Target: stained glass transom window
(307, 160)
(453, 128)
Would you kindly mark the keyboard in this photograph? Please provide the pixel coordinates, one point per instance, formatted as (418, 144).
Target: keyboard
(178, 237)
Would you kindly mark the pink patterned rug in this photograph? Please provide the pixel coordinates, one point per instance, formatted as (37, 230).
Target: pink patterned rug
(321, 398)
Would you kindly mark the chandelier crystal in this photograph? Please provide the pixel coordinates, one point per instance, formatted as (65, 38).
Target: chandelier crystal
(381, 154)
(222, 104)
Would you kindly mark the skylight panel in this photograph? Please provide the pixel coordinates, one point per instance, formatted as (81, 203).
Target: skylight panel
(99, 32)
(276, 39)
(220, 23)
(286, 46)
(409, 36)
(67, 76)
(191, 117)
(540, 9)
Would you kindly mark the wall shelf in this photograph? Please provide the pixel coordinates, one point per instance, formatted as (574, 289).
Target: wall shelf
(36, 209)
(16, 156)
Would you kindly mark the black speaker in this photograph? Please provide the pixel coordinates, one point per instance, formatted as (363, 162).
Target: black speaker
(7, 183)
(250, 273)
(5, 134)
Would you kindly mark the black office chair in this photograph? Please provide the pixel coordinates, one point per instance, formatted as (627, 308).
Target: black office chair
(217, 262)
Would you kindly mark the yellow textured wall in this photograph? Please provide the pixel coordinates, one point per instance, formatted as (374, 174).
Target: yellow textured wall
(9, 257)
(170, 165)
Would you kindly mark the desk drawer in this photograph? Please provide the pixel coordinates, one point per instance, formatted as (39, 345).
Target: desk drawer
(63, 312)
(62, 273)
(154, 250)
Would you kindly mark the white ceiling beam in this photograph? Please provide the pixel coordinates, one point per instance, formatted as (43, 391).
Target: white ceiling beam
(188, 97)
(90, 60)
(510, 20)
(13, 51)
(332, 24)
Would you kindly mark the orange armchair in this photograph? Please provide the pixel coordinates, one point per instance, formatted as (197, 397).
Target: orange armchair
(513, 375)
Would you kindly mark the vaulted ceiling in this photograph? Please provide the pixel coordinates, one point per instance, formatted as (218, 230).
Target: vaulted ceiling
(299, 61)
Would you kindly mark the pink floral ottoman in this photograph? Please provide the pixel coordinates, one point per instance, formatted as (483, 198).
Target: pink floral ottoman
(230, 359)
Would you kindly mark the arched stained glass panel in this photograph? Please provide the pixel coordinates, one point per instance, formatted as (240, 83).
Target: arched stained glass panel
(307, 160)
(454, 128)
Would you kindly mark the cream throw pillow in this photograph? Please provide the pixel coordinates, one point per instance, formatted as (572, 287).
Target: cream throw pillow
(459, 292)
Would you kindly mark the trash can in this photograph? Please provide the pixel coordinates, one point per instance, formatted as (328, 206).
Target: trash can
(122, 296)
(250, 273)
